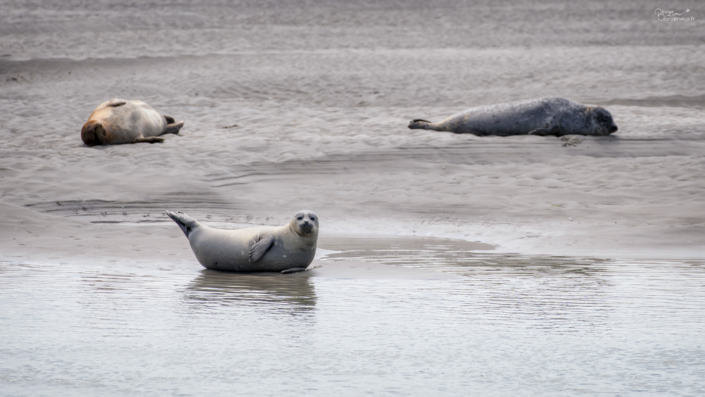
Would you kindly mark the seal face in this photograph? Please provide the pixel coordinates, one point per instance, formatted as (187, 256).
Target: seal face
(120, 121)
(545, 116)
(285, 248)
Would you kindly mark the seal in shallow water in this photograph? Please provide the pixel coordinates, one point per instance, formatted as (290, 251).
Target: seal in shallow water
(120, 121)
(283, 249)
(545, 116)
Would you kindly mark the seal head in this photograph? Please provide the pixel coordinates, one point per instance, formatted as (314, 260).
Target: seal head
(93, 133)
(602, 121)
(304, 223)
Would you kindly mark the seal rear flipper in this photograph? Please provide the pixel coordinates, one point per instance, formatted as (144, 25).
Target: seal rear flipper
(185, 222)
(260, 247)
(419, 124)
(169, 119)
(173, 128)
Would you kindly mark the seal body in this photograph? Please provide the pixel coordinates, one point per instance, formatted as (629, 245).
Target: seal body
(258, 249)
(123, 121)
(545, 116)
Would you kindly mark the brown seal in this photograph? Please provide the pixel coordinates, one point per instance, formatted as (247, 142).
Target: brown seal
(120, 121)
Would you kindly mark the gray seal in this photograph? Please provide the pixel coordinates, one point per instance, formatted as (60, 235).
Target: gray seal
(120, 121)
(545, 116)
(285, 249)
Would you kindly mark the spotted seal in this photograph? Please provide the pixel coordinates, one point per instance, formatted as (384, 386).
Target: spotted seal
(120, 121)
(545, 116)
(283, 249)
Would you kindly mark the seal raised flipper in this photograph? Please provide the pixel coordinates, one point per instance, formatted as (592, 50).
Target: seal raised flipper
(263, 242)
(185, 222)
(173, 128)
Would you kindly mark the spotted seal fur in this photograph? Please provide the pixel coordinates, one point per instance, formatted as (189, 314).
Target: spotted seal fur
(544, 116)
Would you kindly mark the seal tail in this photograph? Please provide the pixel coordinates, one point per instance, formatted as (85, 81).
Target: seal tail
(420, 124)
(185, 222)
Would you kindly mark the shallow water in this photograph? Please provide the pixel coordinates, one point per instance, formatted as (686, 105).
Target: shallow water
(494, 324)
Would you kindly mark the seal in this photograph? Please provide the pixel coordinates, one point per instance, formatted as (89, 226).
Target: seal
(285, 249)
(120, 121)
(544, 116)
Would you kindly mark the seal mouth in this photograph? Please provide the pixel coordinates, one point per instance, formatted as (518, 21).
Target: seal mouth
(306, 228)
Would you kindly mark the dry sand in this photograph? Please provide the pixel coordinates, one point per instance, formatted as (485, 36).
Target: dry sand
(291, 107)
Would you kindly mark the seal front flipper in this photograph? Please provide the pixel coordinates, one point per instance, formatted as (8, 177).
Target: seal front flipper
(293, 270)
(540, 132)
(116, 102)
(151, 139)
(262, 243)
(555, 131)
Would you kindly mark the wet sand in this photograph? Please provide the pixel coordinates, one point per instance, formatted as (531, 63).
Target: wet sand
(309, 113)
(290, 107)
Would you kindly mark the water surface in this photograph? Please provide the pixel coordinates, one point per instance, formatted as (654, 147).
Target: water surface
(489, 324)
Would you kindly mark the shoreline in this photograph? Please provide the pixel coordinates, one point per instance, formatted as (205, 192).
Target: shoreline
(28, 237)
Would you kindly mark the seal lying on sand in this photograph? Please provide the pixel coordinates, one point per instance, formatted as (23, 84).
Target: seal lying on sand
(546, 116)
(120, 121)
(283, 249)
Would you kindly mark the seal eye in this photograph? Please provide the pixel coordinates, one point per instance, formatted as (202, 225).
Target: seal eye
(300, 217)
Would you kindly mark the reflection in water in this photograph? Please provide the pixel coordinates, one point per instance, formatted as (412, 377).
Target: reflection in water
(212, 287)
(560, 293)
(547, 292)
